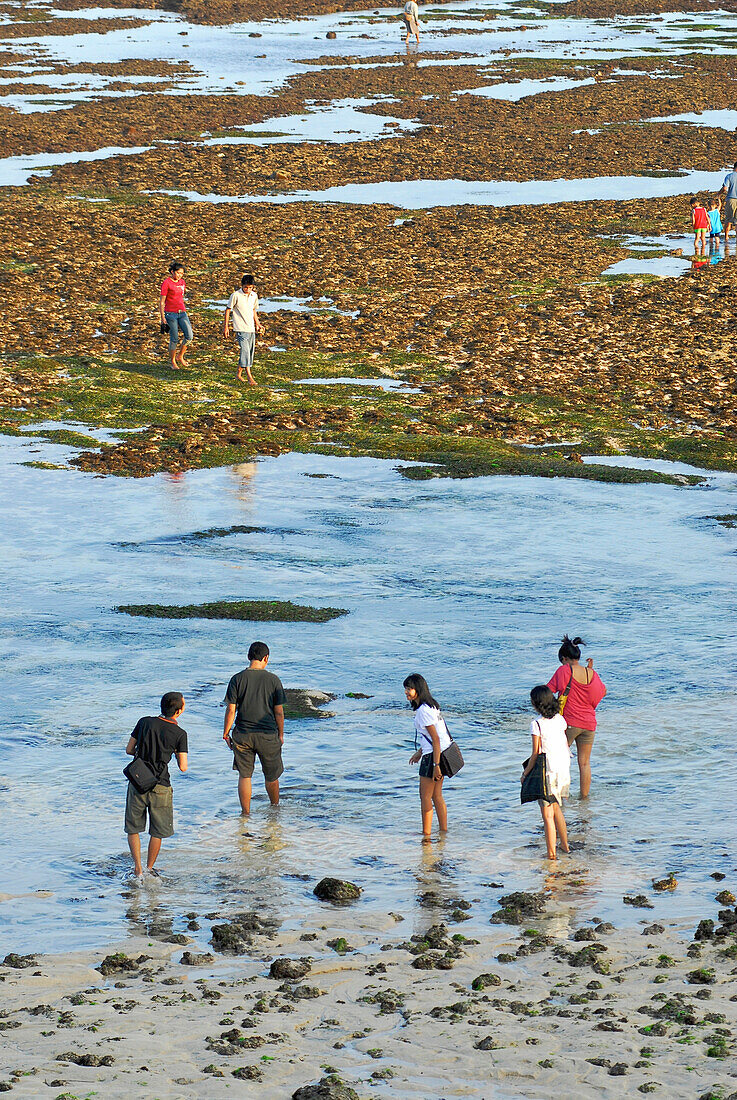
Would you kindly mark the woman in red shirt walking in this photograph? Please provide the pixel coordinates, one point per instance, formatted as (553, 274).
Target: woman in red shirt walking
(583, 691)
(173, 313)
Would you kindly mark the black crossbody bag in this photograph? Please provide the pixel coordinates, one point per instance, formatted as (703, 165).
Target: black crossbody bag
(451, 759)
(141, 775)
(535, 785)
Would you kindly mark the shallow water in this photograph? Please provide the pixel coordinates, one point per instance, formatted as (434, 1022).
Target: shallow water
(471, 582)
(388, 384)
(15, 171)
(424, 194)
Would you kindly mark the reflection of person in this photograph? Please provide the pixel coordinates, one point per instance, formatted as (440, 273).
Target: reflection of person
(699, 222)
(434, 739)
(549, 737)
(155, 741)
(255, 702)
(243, 309)
(729, 190)
(411, 18)
(584, 691)
(173, 313)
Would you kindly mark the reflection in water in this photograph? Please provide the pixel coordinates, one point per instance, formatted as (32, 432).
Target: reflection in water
(243, 475)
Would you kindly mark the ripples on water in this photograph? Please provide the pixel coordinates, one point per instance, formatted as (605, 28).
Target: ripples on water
(471, 582)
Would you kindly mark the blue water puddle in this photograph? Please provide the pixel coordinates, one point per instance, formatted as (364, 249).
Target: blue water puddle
(471, 582)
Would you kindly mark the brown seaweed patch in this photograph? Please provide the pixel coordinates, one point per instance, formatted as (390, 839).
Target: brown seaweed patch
(261, 611)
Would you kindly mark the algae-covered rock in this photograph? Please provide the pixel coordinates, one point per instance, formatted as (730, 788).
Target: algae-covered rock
(328, 1088)
(306, 703)
(237, 936)
(120, 964)
(291, 969)
(19, 962)
(336, 890)
(255, 611)
(190, 959)
(518, 906)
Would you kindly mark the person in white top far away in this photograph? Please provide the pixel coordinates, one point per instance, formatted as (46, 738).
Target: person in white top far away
(411, 17)
(242, 307)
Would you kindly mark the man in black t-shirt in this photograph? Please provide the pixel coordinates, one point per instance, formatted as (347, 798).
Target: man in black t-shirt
(255, 702)
(155, 740)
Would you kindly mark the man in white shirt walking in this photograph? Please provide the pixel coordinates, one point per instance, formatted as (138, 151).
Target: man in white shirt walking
(243, 308)
(411, 17)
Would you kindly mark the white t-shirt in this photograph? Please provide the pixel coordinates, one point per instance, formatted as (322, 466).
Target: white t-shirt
(554, 743)
(410, 8)
(430, 716)
(243, 310)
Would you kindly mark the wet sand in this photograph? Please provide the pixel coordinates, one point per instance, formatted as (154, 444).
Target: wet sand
(387, 1005)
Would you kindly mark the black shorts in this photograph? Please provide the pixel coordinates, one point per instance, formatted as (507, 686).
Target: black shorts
(427, 768)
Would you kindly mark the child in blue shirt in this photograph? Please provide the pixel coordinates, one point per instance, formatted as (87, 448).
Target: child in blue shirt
(715, 221)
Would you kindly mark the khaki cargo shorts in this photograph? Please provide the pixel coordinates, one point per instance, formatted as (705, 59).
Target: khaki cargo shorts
(157, 804)
(579, 735)
(730, 211)
(265, 746)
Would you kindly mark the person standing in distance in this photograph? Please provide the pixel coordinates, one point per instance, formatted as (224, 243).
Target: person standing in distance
(729, 190)
(255, 701)
(155, 740)
(173, 314)
(411, 18)
(243, 308)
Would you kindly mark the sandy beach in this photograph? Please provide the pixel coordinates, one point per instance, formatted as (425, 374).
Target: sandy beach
(339, 1006)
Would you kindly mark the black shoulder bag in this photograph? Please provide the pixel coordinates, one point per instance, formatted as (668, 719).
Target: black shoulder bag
(535, 784)
(451, 759)
(141, 774)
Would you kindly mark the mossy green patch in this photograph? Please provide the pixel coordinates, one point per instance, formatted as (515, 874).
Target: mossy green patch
(279, 611)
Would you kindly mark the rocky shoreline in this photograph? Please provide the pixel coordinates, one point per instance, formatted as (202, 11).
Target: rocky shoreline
(342, 1004)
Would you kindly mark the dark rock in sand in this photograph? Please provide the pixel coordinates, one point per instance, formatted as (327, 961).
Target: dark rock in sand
(483, 980)
(93, 1060)
(178, 937)
(618, 1069)
(188, 959)
(120, 964)
(19, 962)
(336, 890)
(248, 1073)
(653, 930)
(236, 937)
(518, 907)
(489, 1043)
(329, 1088)
(291, 969)
(704, 976)
(584, 934)
(705, 930)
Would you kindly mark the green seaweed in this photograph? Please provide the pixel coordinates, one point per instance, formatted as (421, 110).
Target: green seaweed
(274, 611)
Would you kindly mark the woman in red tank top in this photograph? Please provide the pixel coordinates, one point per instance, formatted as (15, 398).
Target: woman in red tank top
(584, 691)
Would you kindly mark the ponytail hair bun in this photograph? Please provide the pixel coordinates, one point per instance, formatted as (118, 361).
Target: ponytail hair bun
(570, 648)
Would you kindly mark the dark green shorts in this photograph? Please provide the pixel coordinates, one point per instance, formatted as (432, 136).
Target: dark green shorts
(157, 804)
(265, 746)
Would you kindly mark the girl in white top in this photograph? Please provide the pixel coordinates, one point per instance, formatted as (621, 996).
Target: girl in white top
(434, 739)
(549, 736)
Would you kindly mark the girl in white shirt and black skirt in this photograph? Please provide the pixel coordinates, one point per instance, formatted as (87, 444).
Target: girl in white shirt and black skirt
(434, 738)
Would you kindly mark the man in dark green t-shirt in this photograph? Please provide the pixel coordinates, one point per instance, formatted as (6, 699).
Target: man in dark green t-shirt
(255, 702)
